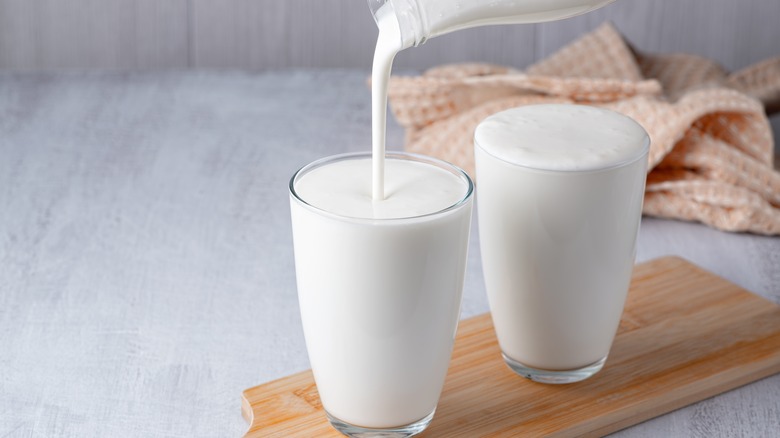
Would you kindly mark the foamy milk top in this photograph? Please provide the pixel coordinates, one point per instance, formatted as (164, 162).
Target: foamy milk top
(562, 137)
(411, 189)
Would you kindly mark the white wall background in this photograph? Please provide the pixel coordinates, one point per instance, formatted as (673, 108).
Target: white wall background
(272, 34)
(50, 35)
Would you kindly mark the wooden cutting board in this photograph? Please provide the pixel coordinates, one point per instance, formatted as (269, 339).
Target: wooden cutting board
(685, 335)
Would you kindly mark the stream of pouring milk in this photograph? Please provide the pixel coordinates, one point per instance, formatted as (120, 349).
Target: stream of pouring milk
(387, 45)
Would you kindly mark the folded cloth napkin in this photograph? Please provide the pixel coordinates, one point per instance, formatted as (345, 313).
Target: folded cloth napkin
(711, 152)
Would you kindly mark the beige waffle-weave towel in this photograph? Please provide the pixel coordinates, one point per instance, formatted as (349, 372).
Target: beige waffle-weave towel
(711, 152)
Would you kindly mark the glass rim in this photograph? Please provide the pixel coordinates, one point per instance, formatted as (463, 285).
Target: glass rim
(397, 155)
(612, 166)
(643, 153)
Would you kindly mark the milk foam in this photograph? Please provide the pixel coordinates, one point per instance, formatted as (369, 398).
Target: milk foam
(562, 137)
(412, 189)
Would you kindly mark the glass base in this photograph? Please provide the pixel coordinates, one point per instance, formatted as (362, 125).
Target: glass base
(390, 432)
(554, 376)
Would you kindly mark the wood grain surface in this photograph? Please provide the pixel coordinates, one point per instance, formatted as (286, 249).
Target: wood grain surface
(685, 335)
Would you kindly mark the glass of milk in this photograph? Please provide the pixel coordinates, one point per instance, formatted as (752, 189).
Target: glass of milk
(560, 191)
(379, 285)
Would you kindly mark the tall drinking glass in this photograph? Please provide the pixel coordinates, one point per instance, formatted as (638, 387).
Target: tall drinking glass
(560, 191)
(379, 285)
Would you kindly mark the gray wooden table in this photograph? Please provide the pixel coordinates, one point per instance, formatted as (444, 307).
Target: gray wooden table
(146, 269)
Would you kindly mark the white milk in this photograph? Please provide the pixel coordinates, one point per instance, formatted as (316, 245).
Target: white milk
(560, 191)
(412, 189)
(380, 285)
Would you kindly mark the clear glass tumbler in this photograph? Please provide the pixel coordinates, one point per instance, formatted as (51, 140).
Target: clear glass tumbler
(560, 191)
(380, 301)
